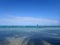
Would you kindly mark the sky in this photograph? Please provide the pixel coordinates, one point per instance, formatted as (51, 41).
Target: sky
(29, 12)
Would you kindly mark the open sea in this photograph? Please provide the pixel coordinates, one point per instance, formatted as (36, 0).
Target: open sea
(29, 35)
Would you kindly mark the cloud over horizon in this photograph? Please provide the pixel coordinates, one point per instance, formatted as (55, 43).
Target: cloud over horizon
(15, 20)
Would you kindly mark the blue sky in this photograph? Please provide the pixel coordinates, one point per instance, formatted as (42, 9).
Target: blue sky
(29, 12)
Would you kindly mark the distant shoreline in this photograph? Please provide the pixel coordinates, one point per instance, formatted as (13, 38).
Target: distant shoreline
(27, 26)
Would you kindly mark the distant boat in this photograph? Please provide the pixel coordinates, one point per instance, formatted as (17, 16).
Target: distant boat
(37, 25)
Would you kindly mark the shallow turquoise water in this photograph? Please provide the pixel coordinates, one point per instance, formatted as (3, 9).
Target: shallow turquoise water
(34, 34)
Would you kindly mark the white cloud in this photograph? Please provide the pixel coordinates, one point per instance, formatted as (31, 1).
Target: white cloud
(14, 20)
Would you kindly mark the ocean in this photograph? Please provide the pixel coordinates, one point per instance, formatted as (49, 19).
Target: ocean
(29, 35)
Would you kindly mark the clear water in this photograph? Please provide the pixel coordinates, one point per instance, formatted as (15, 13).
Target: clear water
(29, 36)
